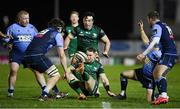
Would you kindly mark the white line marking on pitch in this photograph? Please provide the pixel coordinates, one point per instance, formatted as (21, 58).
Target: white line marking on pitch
(106, 105)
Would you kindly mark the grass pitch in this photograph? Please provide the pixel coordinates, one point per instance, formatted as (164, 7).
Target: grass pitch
(27, 91)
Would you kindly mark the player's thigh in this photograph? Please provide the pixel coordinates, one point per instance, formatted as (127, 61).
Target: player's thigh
(159, 70)
(38, 75)
(15, 59)
(130, 74)
(168, 60)
(91, 85)
(39, 63)
(165, 64)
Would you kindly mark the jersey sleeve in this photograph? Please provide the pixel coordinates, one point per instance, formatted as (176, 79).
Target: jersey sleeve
(59, 40)
(35, 30)
(101, 33)
(9, 33)
(68, 30)
(101, 69)
(156, 31)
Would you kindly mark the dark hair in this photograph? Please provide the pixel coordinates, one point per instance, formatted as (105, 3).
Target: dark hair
(91, 49)
(89, 14)
(56, 22)
(153, 15)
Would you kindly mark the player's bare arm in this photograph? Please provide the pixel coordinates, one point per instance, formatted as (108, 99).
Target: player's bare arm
(67, 40)
(142, 32)
(107, 43)
(62, 56)
(105, 82)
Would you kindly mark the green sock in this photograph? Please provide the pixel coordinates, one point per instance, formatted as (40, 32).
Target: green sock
(75, 85)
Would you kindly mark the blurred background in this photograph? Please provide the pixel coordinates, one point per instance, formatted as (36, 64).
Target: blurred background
(118, 20)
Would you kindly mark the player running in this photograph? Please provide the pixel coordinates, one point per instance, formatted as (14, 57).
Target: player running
(88, 35)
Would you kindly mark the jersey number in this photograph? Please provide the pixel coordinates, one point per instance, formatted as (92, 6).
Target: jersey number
(170, 32)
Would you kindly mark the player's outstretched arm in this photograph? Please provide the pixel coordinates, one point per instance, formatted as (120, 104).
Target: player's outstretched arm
(105, 82)
(62, 57)
(142, 33)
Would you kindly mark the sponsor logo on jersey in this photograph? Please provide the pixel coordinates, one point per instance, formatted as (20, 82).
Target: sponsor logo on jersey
(24, 38)
(94, 35)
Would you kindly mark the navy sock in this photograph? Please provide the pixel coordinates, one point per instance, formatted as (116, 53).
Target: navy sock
(44, 93)
(123, 82)
(153, 93)
(76, 86)
(55, 89)
(161, 85)
(43, 87)
(11, 90)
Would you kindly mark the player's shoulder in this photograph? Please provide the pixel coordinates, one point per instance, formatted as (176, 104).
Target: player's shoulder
(78, 28)
(160, 25)
(13, 27)
(96, 27)
(31, 25)
(98, 63)
(68, 26)
(156, 27)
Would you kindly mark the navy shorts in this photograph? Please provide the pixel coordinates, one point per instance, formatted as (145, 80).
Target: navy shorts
(15, 56)
(168, 60)
(146, 81)
(37, 62)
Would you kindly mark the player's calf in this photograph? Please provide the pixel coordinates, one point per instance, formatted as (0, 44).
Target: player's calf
(53, 77)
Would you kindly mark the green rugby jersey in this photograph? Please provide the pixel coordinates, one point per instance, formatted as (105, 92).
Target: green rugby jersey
(88, 38)
(94, 69)
(72, 48)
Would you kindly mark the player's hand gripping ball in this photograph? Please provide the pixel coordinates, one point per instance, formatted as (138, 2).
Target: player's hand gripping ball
(78, 59)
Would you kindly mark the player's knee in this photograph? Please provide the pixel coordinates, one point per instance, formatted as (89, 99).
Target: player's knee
(159, 78)
(57, 75)
(53, 72)
(13, 72)
(122, 74)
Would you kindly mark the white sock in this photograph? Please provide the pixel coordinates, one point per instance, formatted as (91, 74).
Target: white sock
(46, 90)
(164, 94)
(11, 86)
(122, 92)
